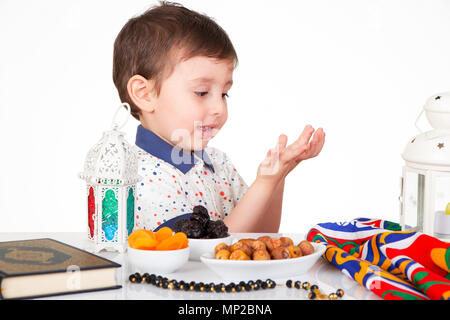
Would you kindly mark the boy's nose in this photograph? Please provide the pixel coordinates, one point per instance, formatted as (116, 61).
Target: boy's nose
(217, 107)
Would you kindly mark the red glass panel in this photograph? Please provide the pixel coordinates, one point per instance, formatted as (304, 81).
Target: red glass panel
(91, 211)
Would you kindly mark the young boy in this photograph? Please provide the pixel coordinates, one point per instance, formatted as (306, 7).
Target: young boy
(174, 67)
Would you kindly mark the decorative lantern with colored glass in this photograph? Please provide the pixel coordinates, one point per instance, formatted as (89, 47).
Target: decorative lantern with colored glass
(425, 183)
(110, 172)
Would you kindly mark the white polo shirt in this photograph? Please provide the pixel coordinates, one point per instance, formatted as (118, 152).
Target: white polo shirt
(173, 182)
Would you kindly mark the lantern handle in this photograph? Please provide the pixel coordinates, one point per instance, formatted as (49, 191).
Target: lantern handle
(116, 126)
(417, 120)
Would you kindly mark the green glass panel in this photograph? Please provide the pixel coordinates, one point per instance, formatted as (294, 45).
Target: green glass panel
(130, 211)
(109, 214)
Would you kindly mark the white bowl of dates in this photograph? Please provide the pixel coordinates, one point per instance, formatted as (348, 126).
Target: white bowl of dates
(203, 233)
(263, 257)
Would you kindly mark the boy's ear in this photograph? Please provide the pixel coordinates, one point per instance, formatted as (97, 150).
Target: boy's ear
(141, 93)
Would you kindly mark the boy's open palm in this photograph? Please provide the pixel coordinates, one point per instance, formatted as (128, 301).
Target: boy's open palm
(281, 160)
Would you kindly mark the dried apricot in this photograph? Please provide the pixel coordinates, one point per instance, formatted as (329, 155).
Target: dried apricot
(138, 234)
(183, 239)
(163, 233)
(150, 233)
(144, 243)
(175, 242)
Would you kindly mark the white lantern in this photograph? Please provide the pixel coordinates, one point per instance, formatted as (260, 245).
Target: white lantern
(110, 172)
(425, 187)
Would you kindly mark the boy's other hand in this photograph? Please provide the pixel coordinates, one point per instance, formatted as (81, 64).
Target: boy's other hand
(281, 160)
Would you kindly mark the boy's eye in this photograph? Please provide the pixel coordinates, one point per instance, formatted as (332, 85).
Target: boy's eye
(202, 93)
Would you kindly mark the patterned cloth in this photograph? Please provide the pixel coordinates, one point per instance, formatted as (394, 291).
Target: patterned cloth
(393, 264)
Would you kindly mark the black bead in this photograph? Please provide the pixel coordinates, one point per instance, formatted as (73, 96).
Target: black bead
(272, 284)
(256, 286)
(176, 285)
(138, 277)
(306, 285)
(340, 293)
(251, 283)
(242, 283)
(297, 284)
(217, 288)
(263, 285)
(258, 282)
(186, 287)
(312, 295)
(247, 287)
(232, 284)
(289, 283)
(314, 287)
(132, 278)
(238, 288)
(228, 288)
(207, 287)
(197, 287)
(165, 284)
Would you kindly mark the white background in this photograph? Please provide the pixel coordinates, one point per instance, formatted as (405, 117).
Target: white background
(360, 69)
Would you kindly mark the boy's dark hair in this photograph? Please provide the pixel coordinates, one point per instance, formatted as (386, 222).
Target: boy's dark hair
(150, 45)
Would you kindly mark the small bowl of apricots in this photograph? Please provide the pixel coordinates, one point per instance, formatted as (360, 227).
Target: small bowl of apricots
(163, 251)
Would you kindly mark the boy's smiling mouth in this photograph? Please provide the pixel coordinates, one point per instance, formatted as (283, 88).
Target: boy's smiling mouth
(207, 131)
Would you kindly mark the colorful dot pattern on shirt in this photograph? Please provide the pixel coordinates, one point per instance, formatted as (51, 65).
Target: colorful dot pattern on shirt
(165, 192)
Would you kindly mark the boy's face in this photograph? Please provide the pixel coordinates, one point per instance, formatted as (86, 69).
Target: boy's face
(192, 105)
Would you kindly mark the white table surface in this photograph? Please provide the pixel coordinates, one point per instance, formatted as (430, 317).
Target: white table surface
(326, 276)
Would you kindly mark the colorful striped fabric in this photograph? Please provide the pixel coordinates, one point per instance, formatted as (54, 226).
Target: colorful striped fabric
(393, 264)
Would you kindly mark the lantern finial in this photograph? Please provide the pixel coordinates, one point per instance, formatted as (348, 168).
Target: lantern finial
(116, 126)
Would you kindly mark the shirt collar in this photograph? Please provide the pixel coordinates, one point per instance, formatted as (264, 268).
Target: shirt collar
(158, 147)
